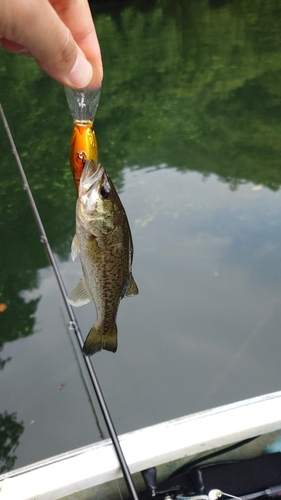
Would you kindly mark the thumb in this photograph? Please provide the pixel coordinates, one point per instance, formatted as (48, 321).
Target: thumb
(38, 30)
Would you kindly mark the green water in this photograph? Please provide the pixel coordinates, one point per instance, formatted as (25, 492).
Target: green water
(189, 129)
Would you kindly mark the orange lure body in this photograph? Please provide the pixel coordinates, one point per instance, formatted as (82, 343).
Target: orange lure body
(83, 147)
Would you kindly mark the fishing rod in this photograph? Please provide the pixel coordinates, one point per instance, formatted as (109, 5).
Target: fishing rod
(73, 324)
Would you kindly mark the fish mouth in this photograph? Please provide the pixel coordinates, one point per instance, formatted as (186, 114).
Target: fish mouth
(91, 173)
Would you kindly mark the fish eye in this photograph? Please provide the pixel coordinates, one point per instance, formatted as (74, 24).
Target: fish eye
(105, 192)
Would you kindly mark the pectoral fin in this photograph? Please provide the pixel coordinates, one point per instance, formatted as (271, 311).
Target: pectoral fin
(79, 296)
(74, 248)
(132, 288)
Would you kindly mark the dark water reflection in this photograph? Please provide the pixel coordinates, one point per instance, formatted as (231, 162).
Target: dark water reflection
(189, 129)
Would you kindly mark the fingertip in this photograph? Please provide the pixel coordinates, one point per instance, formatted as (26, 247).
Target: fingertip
(96, 81)
(81, 73)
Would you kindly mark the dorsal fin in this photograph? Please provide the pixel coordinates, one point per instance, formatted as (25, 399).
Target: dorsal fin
(132, 288)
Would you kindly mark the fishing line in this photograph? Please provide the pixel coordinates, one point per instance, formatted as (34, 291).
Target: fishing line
(73, 324)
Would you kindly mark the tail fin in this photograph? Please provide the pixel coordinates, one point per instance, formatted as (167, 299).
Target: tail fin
(97, 340)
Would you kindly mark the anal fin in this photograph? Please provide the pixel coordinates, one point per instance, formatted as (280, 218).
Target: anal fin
(79, 295)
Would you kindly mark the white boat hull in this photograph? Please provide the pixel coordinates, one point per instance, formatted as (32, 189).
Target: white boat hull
(81, 473)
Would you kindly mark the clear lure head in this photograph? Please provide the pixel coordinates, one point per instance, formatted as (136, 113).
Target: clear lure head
(83, 104)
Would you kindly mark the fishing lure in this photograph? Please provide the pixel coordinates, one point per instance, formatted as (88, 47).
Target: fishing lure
(83, 105)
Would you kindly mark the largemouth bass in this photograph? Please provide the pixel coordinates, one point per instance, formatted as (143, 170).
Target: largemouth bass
(83, 147)
(104, 243)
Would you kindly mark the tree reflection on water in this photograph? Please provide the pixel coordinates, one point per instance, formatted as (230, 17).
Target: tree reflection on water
(10, 432)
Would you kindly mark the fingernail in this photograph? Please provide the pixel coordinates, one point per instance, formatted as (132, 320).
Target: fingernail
(21, 51)
(81, 73)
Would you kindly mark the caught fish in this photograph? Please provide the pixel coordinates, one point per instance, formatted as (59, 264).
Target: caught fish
(104, 243)
(83, 147)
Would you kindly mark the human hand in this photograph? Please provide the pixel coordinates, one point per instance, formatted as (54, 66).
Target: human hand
(59, 34)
